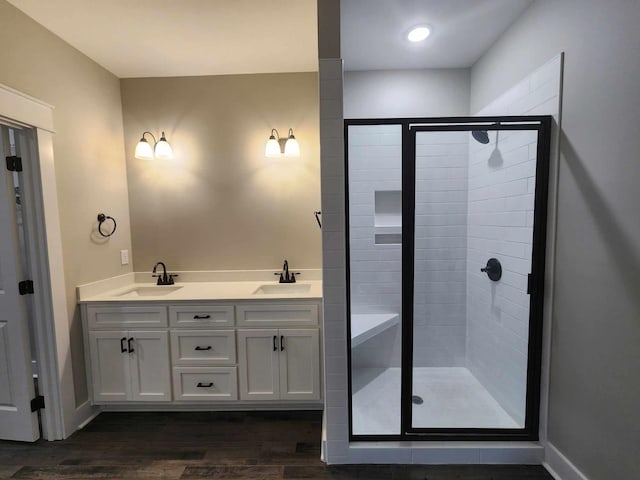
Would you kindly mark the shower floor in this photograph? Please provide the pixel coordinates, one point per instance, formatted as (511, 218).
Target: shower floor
(453, 398)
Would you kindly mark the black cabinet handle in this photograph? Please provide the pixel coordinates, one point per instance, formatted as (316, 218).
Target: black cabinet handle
(131, 350)
(198, 347)
(201, 317)
(275, 343)
(281, 342)
(123, 348)
(204, 385)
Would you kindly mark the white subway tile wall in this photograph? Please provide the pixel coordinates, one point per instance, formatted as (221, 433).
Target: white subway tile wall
(439, 314)
(375, 171)
(333, 262)
(500, 225)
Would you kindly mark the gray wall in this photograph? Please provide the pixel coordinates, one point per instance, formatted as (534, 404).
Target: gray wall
(89, 155)
(595, 387)
(220, 204)
(406, 93)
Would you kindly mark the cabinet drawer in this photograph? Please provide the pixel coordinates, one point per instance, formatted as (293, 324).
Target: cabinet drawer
(203, 347)
(201, 316)
(111, 317)
(277, 315)
(205, 383)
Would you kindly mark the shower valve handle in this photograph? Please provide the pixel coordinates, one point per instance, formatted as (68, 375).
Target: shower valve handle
(493, 269)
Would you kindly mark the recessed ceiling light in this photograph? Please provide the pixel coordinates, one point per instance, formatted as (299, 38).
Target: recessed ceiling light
(418, 34)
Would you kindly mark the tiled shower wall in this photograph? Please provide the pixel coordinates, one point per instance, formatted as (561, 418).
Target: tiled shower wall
(440, 249)
(500, 225)
(375, 165)
(375, 156)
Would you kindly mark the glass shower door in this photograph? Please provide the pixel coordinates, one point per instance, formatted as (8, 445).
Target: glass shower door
(469, 244)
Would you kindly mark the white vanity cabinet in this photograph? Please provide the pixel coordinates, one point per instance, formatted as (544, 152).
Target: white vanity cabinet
(243, 354)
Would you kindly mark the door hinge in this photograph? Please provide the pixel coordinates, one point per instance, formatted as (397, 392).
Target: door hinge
(37, 403)
(25, 287)
(529, 284)
(14, 164)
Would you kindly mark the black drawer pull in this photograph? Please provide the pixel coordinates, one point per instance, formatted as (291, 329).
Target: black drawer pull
(198, 347)
(205, 385)
(123, 347)
(275, 343)
(130, 347)
(281, 343)
(201, 317)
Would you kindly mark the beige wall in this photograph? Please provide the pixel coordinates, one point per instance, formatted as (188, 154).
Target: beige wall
(220, 204)
(88, 149)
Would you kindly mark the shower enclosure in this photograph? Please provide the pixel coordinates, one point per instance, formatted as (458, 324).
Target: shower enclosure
(446, 244)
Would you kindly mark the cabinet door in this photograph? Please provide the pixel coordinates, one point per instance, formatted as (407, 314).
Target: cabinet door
(258, 352)
(149, 363)
(110, 377)
(299, 364)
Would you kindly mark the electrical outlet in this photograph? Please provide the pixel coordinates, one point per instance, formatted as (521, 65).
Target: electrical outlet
(124, 257)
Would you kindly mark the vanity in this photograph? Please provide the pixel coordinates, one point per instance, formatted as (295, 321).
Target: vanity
(225, 344)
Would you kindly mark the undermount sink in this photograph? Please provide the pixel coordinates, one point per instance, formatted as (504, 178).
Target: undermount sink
(151, 291)
(282, 288)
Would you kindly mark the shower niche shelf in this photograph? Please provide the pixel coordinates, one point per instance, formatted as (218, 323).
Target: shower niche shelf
(388, 217)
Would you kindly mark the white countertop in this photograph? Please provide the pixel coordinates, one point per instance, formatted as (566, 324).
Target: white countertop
(130, 288)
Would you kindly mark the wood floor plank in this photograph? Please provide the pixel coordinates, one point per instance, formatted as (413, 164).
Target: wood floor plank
(214, 445)
(233, 472)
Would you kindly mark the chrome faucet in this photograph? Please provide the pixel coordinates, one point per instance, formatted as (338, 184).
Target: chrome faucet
(164, 278)
(285, 275)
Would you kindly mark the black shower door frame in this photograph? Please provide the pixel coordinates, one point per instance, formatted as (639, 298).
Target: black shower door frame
(410, 126)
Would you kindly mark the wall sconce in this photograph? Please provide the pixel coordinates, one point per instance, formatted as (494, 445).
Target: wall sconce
(161, 148)
(273, 148)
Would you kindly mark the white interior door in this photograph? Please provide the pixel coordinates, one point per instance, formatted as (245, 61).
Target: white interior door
(17, 422)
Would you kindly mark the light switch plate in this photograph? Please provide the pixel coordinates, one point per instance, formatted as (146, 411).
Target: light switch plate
(124, 257)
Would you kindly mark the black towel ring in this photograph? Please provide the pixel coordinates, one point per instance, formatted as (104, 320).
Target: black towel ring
(101, 219)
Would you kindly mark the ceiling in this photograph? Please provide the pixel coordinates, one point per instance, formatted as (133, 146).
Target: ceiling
(164, 38)
(373, 32)
(161, 38)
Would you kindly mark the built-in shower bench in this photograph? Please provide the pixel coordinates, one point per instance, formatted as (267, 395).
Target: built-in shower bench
(367, 325)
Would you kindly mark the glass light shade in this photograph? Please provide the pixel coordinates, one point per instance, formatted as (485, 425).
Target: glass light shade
(291, 148)
(272, 148)
(144, 150)
(163, 150)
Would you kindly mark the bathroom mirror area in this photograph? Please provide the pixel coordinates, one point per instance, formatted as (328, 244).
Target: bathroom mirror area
(446, 253)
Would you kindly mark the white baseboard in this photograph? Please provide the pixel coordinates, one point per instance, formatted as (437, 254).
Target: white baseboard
(84, 414)
(559, 466)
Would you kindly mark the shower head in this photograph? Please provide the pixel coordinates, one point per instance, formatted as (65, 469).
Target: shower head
(481, 136)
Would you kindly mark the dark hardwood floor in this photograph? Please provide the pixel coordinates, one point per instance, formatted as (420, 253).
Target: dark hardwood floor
(214, 445)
